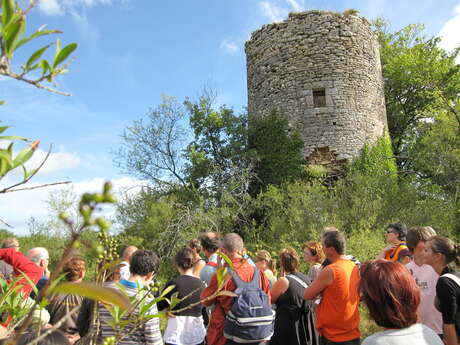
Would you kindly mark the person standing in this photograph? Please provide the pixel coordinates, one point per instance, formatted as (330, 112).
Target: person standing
(392, 297)
(425, 277)
(314, 255)
(443, 254)
(210, 247)
(63, 304)
(186, 327)
(144, 265)
(232, 246)
(21, 265)
(195, 245)
(294, 320)
(337, 315)
(41, 258)
(127, 253)
(266, 264)
(6, 270)
(397, 248)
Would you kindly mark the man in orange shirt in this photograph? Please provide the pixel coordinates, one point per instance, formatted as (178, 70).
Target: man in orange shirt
(232, 246)
(337, 316)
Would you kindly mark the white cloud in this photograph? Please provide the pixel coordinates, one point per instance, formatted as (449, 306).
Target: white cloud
(57, 161)
(278, 10)
(16, 208)
(272, 11)
(60, 7)
(50, 7)
(296, 6)
(229, 47)
(450, 32)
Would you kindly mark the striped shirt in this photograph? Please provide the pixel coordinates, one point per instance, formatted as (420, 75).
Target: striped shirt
(147, 334)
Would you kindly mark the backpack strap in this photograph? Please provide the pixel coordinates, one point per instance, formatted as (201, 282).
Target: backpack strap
(452, 277)
(241, 283)
(212, 263)
(255, 279)
(298, 280)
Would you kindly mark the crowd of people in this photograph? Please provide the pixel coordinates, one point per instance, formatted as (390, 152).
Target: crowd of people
(223, 296)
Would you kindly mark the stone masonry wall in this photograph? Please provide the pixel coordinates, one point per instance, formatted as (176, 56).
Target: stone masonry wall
(312, 51)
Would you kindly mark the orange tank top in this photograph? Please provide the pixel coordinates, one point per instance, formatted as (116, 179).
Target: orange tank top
(337, 317)
(393, 255)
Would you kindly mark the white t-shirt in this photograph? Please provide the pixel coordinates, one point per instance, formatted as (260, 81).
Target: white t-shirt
(426, 279)
(417, 334)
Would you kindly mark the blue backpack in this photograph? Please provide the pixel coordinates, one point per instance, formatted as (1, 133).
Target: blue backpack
(251, 318)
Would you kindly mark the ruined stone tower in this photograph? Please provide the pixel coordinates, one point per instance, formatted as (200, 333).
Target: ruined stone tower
(321, 70)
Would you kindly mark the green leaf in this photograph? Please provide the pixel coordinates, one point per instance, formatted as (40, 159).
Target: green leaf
(4, 168)
(64, 53)
(23, 156)
(3, 128)
(55, 283)
(58, 48)
(167, 290)
(175, 300)
(13, 137)
(10, 149)
(2, 102)
(35, 56)
(226, 258)
(35, 35)
(95, 292)
(221, 273)
(7, 11)
(17, 28)
(5, 156)
(31, 172)
(45, 66)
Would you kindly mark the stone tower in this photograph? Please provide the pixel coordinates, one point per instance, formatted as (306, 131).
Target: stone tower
(322, 71)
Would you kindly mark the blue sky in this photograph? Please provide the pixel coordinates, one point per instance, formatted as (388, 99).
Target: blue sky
(130, 52)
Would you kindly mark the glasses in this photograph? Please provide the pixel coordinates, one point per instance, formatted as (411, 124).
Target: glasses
(390, 232)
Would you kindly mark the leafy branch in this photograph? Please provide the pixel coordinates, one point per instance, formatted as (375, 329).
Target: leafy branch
(13, 36)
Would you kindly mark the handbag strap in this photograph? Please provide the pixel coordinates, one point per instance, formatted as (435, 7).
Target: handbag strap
(452, 277)
(298, 280)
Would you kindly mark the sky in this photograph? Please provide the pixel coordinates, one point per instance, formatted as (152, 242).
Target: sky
(129, 53)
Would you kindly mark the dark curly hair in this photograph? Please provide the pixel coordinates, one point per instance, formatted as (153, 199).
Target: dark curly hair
(144, 262)
(210, 244)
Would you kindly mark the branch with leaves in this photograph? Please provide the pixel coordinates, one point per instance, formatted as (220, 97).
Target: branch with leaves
(13, 36)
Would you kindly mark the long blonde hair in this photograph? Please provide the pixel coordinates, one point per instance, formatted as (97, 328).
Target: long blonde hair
(265, 255)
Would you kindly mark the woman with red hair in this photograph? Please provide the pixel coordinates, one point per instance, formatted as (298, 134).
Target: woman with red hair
(392, 297)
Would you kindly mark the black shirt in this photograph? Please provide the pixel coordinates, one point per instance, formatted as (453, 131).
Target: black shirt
(185, 286)
(448, 295)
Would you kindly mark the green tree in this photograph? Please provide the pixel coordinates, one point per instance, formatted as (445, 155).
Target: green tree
(421, 81)
(278, 153)
(436, 154)
(218, 150)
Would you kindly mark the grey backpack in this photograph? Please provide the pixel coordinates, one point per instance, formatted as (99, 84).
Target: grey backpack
(251, 318)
